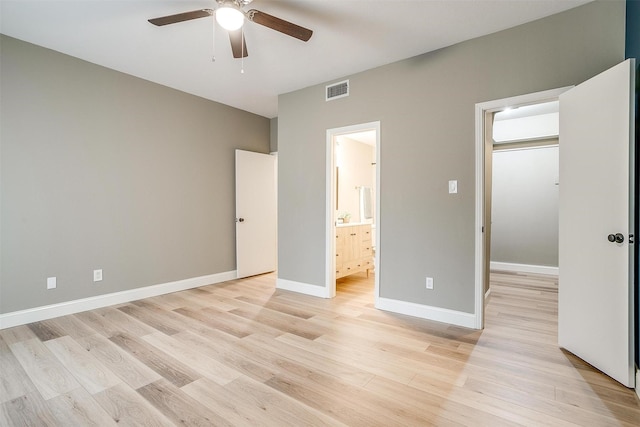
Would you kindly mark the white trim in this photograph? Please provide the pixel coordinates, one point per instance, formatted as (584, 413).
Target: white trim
(479, 225)
(22, 317)
(444, 315)
(638, 382)
(330, 241)
(481, 109)
(525, 268)
(486, 294)
(302, 288)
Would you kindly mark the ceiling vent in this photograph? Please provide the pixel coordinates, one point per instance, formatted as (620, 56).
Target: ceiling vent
(338, 90)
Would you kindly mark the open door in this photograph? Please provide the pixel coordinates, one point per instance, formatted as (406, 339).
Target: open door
(256, 213)
(595, 301)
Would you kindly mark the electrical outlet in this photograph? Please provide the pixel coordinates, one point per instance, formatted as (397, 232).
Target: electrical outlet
(453, 186)
(429, 282)
(97, 275)
(51, 283)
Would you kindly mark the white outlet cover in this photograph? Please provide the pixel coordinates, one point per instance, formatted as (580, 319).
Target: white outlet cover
(429, 282)
(51, 283)
(97, 275)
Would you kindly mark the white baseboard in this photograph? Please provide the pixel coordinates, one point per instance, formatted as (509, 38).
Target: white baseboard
(486, 294)
(524, 268)
(22, 317)
(438, 314)
(303, 288)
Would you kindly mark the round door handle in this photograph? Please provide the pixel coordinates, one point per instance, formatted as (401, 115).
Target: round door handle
(617, 238)
(240, 220)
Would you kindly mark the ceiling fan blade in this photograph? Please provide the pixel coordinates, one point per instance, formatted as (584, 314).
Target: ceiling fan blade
(280, 25)
(238, 45)
(180, 17)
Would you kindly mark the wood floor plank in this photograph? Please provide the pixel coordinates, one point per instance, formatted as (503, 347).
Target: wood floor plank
(86, 369)
(17, 334)
(148, 317)
(365, 361)
(283, 308)
(44, 331)
(231, 324)
(168, 367)
(433, 405)
(14, 382)
(334, 405)
(199, 362)
(130, 409)
(71, 326)
(178, 406)
(280, 321)
(351, 374)
(29, 410)
(558, 410)
(244, 362)
(109, 321)
(235, 409)
(45, 371)
(77, 408)
(129, 369)
(285, 407)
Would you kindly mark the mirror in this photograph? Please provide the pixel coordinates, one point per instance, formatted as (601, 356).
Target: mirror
(355, 177)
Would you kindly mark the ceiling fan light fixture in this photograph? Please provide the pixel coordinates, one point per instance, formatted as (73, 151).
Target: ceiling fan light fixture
(229, 17)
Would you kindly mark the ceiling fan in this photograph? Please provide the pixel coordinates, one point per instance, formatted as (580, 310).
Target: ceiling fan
(231, 17)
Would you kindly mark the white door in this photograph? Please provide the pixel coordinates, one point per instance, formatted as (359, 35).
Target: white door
(256, 213)
(595, 298)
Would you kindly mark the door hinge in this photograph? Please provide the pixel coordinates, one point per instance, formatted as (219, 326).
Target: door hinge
(631, 240)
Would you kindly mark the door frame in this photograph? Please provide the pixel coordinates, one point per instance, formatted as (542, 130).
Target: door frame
(330, 261)
(480, 110)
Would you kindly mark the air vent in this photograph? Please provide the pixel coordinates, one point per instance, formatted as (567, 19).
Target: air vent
(338, 90)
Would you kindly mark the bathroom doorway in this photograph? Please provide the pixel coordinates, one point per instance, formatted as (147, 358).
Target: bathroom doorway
(353, 204)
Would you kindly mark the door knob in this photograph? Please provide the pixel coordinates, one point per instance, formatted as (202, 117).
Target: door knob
(617, 238)
(239, 219)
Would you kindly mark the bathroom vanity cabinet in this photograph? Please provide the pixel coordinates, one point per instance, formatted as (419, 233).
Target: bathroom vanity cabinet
(354, 250)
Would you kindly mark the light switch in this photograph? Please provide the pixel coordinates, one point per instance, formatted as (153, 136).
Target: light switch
(453, 186)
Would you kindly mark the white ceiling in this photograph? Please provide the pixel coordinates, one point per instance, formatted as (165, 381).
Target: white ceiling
(349, 36)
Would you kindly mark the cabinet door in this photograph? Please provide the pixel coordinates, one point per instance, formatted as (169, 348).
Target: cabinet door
(365, 233)
(352, 243)
(366, 249)
(341, 237)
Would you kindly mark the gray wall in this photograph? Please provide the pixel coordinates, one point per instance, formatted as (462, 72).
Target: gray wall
(104, 170)
(524, 219)
(426, 109)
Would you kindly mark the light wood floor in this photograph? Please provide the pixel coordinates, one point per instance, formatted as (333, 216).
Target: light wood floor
(242, 353)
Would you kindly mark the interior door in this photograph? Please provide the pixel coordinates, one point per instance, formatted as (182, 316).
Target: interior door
(256, 213)
(595, 298)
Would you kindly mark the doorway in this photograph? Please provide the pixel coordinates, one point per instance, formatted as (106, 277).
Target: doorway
(353, 202)
(484, 153)
(521, 197)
